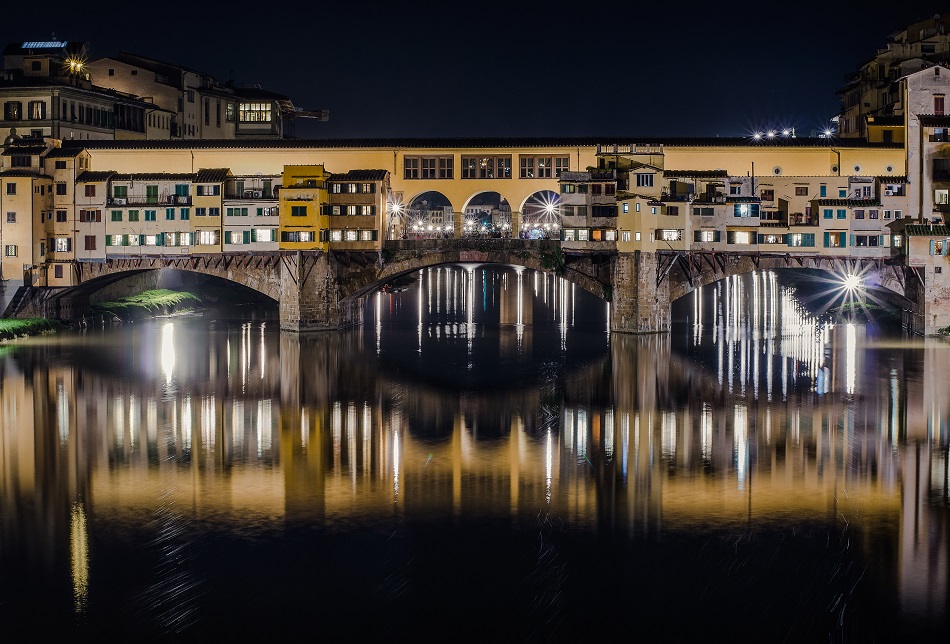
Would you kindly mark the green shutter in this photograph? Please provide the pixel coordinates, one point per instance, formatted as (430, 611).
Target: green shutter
(260, 212)
(842, 241)
(108, 240)
(141, 240)
(880, 240)
(852, 240)
(247, 236)
(827, 240)
(160, 239)
(254, 233)
(125, 240)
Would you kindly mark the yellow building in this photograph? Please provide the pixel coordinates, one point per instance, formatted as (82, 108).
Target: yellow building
(302, 193)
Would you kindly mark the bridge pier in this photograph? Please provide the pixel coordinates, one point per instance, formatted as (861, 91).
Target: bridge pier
(639, 304)
(310, 297)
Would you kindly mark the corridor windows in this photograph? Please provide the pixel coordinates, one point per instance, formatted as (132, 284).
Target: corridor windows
(491, 167)
(542, 167)
(207, 237)
(429, 167)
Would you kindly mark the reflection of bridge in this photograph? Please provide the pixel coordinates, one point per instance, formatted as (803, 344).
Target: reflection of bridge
(325, 290)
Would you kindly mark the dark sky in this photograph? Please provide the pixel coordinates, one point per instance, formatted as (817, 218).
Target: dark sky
(505, 68)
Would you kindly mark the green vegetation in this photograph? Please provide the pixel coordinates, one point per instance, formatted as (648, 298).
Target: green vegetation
(553, 261)
(864, 311)
(149, 303)
(13, 328)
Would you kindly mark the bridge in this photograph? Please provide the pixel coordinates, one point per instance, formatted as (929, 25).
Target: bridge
(318, 291)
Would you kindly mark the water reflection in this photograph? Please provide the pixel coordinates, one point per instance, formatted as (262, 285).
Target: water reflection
(476, 393)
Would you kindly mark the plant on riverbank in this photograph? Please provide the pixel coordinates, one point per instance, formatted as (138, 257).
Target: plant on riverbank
(154, 302)
(14, 328)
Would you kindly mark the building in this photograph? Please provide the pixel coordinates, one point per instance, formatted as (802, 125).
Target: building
(197, 105)
(356, 208)
(46, 91)
(872, 99)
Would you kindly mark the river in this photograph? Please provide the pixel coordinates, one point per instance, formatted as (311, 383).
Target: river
(482, 458)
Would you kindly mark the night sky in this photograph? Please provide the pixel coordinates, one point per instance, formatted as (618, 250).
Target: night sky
(501, 68)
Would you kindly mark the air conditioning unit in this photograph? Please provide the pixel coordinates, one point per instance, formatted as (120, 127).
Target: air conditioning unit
(256, 194)
(248, 194)
(119, 202)
(888, 193)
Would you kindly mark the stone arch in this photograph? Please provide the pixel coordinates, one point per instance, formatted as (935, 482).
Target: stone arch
(260, 273)
(692, 271)
(486, 211)
(541, 211)
(541, 256)
(426, 215)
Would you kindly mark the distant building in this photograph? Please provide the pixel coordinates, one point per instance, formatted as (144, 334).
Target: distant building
(46, 91)
(872, 98)
(201, 107)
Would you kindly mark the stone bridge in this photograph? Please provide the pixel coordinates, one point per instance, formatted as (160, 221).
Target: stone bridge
(318, 290)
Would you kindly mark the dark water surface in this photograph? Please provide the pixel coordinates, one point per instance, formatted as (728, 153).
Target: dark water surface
(481, 459)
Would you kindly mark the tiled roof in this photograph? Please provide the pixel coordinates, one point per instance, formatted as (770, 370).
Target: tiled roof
(90, 176)
(897, 178)
(472, 142)
(26, 149)
(696, 174)
(926, 230)
(57, 153)
(738, 199)
(22, 173)
(932, 120)
(360, 175)
(154, 176)
(212, 175)
(851, 203)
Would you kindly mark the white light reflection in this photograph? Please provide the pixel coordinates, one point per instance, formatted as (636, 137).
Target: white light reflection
(741, 432)
(851, 350)
(168, 350)
(706, 431)
(609, 434)
(379, 321)
(395, 464)
(62, 414)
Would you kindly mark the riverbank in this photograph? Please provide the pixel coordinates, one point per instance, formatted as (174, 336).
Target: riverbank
(147, 304)
(14, 329)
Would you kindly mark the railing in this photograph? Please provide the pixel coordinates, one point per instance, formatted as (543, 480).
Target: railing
(139, 200)
(251, 195)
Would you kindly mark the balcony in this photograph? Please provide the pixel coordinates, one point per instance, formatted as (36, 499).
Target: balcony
(251, 195)
(139, 200)
(666, 196)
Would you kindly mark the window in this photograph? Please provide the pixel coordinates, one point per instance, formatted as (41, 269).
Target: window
(739, 237)
(207, 238)
(90, 242)
(768, 195)
(201, 212)
(242, 212)
(368, 188)
(169, 214)
(872, 214)
(859, 214)
(90, 190)
(11, 217)
(149, 215)
(298, 211)
(938, 105)
(185, 214)
(746, 210)
(842, 213)
(367, 210)
(60, 165)
(209, 191)
(60, 189)
(61, 244)
(229, 112)
(645, 180)
(801, 191)
(898, 214)
(801, 239)
(673, 211)
(561, 164)
(842, 193)
(58, 271)
(625, 235)
(10, 250)
(670, 235)
(37, 110)
(351, 188)
(21, 161)
(296, 236)
(446, 168)
(637, 206)
(411, 168)
(116, 215)
(542, 167)
(12, 111)
(735, 188)
(120, 192)
(264, 234)
(133, 215)
(940, 196)
(835, 240)
(61, 216)
(822, 190)
(254, 112)
(89, 216)
(706, 235)
(626, 207)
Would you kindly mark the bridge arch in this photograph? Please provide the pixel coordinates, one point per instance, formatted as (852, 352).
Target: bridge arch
(485, 212)
(541, 213)
(540, 255)
(687, 272)
(428, 214)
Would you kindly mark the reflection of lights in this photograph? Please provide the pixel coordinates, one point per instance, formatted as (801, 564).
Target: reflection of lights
(396, 463)
(548, 466)
(168, 350)
(741, 432)
(79, 556)
(850, 350)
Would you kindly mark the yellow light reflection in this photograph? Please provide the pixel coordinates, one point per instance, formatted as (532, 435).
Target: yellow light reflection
(79, 556)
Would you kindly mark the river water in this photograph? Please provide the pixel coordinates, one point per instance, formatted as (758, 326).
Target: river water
(481, 459)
